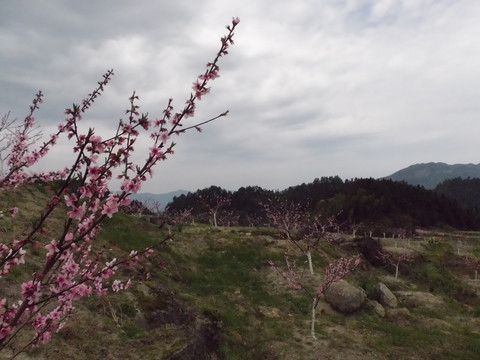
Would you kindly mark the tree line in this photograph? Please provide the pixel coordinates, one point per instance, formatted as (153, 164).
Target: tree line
(366, 204)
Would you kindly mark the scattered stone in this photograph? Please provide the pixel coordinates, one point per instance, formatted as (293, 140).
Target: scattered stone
(269, 312)
(437, 324)
(344, 297)
(398, 314)
(412, 299)
(144, 289)
(385, 296)
(376, 307)
(140, 320)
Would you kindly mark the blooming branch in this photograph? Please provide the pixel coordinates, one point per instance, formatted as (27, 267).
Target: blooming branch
(71, 269)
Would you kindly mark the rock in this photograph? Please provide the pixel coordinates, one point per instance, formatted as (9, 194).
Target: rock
(431, 323)
(385, 296)
(269, 312)
(144, 289)
(398, 314)
(344, 297)
(413, 299)
(376, 307)
(140, 320)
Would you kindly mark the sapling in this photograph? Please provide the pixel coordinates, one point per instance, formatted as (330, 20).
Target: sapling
(312, 234)
(215, 203)
(473, 263)
(303, 230)
(395, 259)
(334, 272)
(287, 216)
(9, 131)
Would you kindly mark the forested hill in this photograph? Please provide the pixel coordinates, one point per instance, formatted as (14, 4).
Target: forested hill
(374, 204)
(465, 191)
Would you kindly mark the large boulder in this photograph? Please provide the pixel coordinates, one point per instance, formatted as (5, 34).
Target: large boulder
(385, 296)
(344, 297)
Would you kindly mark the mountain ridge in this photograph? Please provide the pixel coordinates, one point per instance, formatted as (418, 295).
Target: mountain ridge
(429, 175)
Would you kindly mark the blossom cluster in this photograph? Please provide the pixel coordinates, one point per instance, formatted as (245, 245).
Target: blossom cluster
(287, 216)
(336, 271)
(290, 275)
(72, 269)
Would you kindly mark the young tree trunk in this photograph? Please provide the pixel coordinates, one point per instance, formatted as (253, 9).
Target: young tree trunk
(309, 257)
(312, 331)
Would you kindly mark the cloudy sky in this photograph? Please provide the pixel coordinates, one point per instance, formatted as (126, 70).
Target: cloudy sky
(355, 88)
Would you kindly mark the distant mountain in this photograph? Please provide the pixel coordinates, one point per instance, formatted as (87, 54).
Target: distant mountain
(431, 174)
(161, 199)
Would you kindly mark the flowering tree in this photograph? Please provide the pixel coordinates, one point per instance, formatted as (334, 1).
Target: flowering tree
(287, 216)
(334, 272)
(302, 229)
(9, 131)
(313, 233)
(170, 218)
(158, 215)
(474, 264)
(71, 269)
(175, 218)
(395, 259)
(215, 203)
(137, 207)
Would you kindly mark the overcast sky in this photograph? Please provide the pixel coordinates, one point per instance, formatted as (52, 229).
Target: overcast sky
(354, 88)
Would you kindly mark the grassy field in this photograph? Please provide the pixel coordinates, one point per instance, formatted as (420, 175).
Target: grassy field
(216, 284)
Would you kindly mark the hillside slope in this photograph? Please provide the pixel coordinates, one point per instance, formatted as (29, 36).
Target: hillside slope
(213, 295)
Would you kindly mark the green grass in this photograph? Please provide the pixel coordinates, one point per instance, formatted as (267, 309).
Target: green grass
(428, 312)
(389, 336)
(437, 279)
(438, 251)
(229, 278)
(129, 232)
(229, 268)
